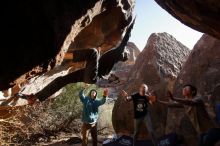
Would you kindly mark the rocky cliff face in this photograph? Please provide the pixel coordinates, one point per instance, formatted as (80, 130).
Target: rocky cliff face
(202, 67)
(159, 63)
(37, 34)
(122, 69)
(200, 15)
(134, 52)
(201, 70)
(158, 66)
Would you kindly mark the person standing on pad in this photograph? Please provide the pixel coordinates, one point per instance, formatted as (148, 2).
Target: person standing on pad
(90, 114)
(141, 112)
(207, 130)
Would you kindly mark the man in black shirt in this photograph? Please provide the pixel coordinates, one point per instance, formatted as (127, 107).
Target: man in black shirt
(141, 113)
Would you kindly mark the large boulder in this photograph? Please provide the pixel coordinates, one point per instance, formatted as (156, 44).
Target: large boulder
(120, 70)
(201, 70)
(134, 52)
(159, 63)
(202, 67)
(158, 66)
(202, 15)
(37, 34)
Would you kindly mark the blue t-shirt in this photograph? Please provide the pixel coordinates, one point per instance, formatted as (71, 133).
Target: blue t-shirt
(90, 108)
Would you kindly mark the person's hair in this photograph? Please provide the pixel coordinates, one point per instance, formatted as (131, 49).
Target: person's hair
(92, 91)
(193, 89)
(144, 85)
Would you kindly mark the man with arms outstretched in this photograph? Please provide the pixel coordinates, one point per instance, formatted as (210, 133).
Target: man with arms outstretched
(196, 111)
(141, 112)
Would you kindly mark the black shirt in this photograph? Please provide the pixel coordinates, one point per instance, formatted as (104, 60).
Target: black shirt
(140, 105)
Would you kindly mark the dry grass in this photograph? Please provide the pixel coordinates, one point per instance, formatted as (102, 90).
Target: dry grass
(43, 122)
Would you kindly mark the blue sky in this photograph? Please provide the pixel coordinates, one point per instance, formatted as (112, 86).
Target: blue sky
(151, 18)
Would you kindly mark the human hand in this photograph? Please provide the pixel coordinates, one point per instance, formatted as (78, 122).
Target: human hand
(170, 95)
(152, 97)
(105, 92)
(123, 93)
(85, 85)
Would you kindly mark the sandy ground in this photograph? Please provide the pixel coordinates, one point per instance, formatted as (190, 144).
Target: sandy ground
(105, 129)
(104, 121)
(64, 140)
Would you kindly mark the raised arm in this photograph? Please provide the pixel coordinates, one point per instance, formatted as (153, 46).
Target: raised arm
(82, 95)
(186, 101)
(171, 104)
(189, 102)
(126, 96)
(103, 100)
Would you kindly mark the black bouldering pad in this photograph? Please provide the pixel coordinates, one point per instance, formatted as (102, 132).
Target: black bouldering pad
(167, 140)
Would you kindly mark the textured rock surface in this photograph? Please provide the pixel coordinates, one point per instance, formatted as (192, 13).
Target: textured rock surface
(121, 70)
(35, 84)
(37, 34)
(201, 15)
(202, 67)
(134, 52)
(159, 63)
(201, 70)
(158, 66)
